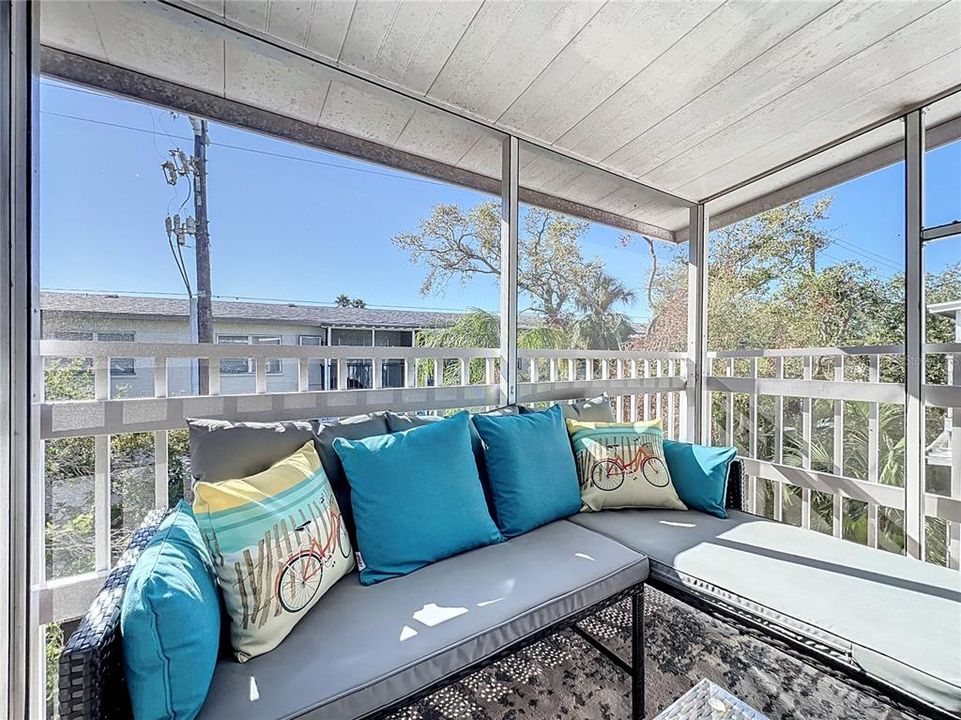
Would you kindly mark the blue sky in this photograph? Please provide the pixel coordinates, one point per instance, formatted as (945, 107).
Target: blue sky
(296, 224)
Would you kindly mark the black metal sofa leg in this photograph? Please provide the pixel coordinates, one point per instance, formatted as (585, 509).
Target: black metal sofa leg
(637, 655)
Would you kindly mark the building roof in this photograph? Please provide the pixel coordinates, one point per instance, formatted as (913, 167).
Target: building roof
(945, 308)
(146, 307)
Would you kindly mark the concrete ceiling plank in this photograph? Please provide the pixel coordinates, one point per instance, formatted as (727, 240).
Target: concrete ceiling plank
(484, 157)
(607, 53)
(327, 28)
(838, 123)
(70, 25)
(406, 44)
(249, 13)
(504, 49)
(164, 42)
(217, 7)
(439, 136)
(725, 41)
(831, 38)
(790, 125)
(365, 111)
(277, 81)
(290, 20)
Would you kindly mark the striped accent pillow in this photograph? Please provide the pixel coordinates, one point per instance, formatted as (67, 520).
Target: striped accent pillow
(278, 544)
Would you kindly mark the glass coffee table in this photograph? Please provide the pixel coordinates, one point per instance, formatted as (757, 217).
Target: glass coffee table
(707, 701)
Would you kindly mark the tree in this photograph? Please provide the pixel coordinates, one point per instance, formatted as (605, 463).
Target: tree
(561, 285)
(346, 301)
(480, 329)
(69, 471)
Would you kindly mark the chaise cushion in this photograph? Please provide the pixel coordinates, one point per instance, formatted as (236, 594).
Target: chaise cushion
(898, 619)
(364, 648)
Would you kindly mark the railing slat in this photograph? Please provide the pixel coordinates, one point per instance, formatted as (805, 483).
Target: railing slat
(807, 407)
(161, 470)
(303, 375)
(101, 501)
(837, 510)
(260, 371)
(647, 399)
(671, 403)
(729, 408)
(874, 452)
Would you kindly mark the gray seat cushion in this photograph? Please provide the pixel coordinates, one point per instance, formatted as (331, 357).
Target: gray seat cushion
(362, 648)
(898, 619)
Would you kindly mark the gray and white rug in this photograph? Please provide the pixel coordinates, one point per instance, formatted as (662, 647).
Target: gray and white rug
(564, 677)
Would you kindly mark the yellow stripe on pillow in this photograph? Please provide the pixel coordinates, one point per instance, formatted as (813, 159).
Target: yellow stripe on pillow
(279, 477)
(640, 426)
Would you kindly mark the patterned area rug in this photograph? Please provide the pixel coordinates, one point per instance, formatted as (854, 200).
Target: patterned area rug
(563, 677)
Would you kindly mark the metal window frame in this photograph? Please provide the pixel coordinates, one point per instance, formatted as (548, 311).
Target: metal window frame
(510, 214)
(21, 642)
(697, 396)
(250, 363)
(914, 315)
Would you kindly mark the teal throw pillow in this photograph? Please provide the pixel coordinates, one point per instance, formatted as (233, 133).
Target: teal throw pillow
(417, 497)
(699, 473)
(530, 467)
(170, 622)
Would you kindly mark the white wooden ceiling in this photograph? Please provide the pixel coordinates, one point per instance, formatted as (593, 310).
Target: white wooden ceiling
(688, 97)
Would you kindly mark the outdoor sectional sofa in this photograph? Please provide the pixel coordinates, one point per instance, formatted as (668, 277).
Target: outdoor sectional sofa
(889, 625)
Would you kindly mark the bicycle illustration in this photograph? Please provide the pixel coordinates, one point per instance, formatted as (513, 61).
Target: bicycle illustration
(300, 575)
(611, 472)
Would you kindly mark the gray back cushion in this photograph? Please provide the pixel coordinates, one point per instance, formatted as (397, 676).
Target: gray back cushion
(352, 428)
(591, 410)
(222, 450)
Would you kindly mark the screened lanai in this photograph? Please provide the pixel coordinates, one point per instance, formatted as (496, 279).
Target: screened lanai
(742, 219)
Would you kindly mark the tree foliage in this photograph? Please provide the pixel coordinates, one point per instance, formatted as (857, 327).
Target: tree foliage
(568, 292)
(69, 469)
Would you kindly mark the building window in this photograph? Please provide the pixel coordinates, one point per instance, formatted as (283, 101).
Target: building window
(246, 366)
(318, 371)
(393, 338)
(120, 366)
(312, 340)
(351, 336)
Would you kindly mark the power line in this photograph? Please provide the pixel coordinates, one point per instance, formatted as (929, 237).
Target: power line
(394, 176)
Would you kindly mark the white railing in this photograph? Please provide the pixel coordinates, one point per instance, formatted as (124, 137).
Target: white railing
(740, 380)
(643, 385)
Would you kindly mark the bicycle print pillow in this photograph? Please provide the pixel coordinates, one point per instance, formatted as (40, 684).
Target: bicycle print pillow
(622, 465)
(278, 543)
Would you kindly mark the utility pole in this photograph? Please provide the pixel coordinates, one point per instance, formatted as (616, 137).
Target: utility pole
(201, 321)
(205, 319)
